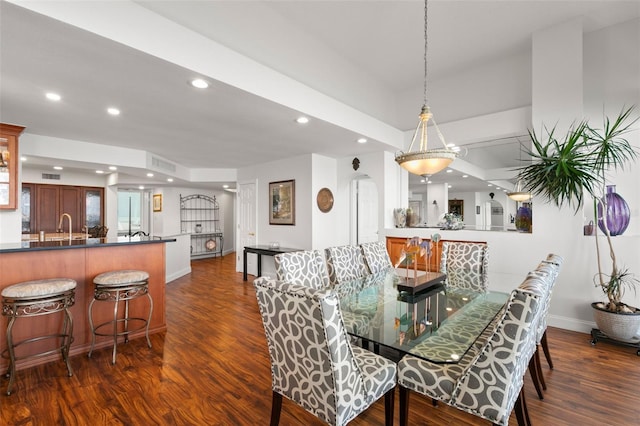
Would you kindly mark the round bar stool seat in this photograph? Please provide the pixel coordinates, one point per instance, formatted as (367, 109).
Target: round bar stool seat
(34, 298)
(120, 286)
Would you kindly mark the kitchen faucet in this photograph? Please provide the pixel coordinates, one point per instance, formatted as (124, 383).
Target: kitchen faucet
(70, 227)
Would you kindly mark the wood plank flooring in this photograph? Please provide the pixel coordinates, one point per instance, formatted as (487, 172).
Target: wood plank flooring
(211, 367)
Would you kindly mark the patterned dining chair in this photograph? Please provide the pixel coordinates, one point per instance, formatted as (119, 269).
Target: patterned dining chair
(376, 256)
(345, 263)
(312, 362)
(555, 261)
(547, 272)
(487, 381)
(307, 268)
(466, 265)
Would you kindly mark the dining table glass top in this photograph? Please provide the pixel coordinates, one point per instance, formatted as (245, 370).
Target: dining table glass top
(437, 324)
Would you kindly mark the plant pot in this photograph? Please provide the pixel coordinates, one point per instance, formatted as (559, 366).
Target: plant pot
(619, 326)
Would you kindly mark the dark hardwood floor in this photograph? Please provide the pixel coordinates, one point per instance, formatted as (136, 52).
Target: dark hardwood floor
(211, 367)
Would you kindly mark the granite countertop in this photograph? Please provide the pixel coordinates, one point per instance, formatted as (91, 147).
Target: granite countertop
(65, 243)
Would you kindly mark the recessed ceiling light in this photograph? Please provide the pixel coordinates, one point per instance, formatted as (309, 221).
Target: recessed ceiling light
(489, 184)
(199, 83)
(169, 179)
(362, 140)
(225, 186)
(113, 168)
(302, 120)
(421, 180)
(113, 111)
(465, 176)
(449, 171)
(53, 96)
(99, 172)
(429, 181)
(149, 174)
(23, 158)
(57, 167)
(450, 186)
(141, 187)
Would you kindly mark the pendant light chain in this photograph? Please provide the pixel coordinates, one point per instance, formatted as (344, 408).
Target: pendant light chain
(425, 52)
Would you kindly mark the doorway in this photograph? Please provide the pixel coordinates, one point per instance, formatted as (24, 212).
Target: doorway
(246, 226)
(364, 203)
(134, 212)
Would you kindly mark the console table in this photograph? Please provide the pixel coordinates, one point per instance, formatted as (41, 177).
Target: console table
(262, 250)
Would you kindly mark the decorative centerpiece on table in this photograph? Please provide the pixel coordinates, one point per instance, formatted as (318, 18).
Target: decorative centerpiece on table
(413, 249)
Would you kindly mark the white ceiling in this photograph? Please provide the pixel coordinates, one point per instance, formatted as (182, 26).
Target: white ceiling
(357, 52)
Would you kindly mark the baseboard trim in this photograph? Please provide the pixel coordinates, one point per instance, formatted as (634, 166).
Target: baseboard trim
(177, 274)
(572, 324)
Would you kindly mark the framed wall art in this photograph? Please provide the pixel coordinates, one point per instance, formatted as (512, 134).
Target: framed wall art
(157, 202)
(282, 202)
(456, 207)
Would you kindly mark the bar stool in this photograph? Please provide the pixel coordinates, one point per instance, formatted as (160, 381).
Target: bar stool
(34, 298)
(117, 286)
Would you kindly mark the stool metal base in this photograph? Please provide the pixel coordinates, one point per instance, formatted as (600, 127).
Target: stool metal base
(117, 294)
(29, 307)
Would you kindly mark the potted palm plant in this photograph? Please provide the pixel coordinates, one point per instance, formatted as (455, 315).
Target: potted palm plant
(565, 172)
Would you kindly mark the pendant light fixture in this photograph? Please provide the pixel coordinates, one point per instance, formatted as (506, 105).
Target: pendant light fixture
(518, 194)
(425, 161)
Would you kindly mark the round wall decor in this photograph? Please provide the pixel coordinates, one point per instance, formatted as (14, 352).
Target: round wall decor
(325, 200)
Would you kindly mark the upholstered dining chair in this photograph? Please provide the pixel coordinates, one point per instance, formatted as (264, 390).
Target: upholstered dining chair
(376, 256)
(555, 262)
(312, 362)
(345, 263)
(487, 381)
(547, 272)
(307, 268)
(466, 265)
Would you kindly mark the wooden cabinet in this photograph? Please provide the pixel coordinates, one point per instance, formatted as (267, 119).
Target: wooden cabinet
(43, 205)
(9, 135)
(396, 244)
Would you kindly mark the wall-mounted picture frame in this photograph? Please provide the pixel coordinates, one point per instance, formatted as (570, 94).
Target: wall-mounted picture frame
(157, 202)
(282, 202)
(457, 207)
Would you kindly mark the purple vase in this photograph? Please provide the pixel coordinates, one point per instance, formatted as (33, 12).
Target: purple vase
(618, 213)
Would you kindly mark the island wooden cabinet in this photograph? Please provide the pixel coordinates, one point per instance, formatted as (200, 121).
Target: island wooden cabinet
(9, 165)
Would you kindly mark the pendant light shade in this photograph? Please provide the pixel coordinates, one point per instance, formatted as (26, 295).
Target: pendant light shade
(425, 161)
(518, 194)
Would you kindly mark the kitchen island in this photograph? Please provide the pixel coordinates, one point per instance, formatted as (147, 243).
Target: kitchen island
(81, 260)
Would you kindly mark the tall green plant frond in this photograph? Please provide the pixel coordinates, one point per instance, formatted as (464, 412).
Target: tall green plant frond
(561, 171)
(610, 150)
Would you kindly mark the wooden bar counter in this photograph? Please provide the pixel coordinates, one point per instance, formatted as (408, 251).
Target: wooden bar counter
(81, 260)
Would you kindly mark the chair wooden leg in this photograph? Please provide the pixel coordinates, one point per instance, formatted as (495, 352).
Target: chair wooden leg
(533, 372)
(389, 401)
(536, 355)
(522, 412)
(545, 348)
(276, 407)
(404, 406)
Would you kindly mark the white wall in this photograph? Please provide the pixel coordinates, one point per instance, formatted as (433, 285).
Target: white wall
(324, 175)
(299, 235)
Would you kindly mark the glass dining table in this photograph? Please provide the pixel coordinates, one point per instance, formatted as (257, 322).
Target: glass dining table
(417, 315)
